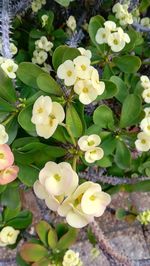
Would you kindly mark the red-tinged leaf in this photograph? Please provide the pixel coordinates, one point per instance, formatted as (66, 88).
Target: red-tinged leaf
(33, 252)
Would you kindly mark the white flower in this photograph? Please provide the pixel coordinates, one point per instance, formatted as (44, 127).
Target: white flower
(87, 202)
(36, 6)
(13, 49)
(145, 125)
(102, 35)
(82, 67)
(47, 128)
(71, 258)
(97, 84)
(39, 57)
(117, 8)
(8, 236)
(110, 25)
(123, 35)
(146, 95)
(44, 44)
(145, 82)
(143, 142)
(41, 109)
(66, 71)
(86, 91)
(116, 42)
(87, 142)
(85, 52)
(9, 67)
(145, 22)
(3, 135)
(94, 154)
(71, 23)
(147, 111)
(44, 19)
(53, 181)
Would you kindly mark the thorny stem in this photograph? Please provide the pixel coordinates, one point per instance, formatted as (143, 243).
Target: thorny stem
(107, 248)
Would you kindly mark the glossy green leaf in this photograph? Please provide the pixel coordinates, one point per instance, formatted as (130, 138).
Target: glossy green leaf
(127, 63)
(131, 110)
(42, 229)
(110, 90)
(21, 221)
(10, 197)
(52, 238)
(103, 116)
(7, 90)
(58, 55)
(6, 107)
(68, 239)
(12, 129)
(28, 174)
(70, 53)
(122, 88)
(24, 119)
(73, 121)
(94, 24)
(33, 252)
(28, 73)
(47, 84)
(122, 155)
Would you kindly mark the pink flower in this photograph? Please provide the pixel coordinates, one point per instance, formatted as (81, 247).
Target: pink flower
(6, 157)
(8, 175)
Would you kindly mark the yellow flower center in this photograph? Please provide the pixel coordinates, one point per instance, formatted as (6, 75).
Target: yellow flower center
(10, 68)
(92, 198)
(115, 41)
(90, 143)
(148, 94)
(57, 177)
(10, 234)
(93, 152)
(143, 141)
(2, 156)
(83, 67)
(104, 35)
(85, 90)
(40, 110)
(51, 120)
(148, 127)
(69, 73)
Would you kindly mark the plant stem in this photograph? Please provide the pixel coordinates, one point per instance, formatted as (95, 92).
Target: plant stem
(104, 245)
(70, 133)
(74, 163)
(8, 119)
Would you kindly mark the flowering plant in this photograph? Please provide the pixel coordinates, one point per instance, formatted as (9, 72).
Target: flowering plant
(74, 123)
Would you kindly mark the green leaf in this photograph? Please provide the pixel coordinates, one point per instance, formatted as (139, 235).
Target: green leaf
(122, 88)
(103, 116)
(10, 213)
(12, 129)
(47, 84)
(27, 174)
(70, 53)
(33, 252)
(58, 55)
(24, 119)
(73, 121)
(110, 90)
(68, 239)
(122, 155)
(42, 229)
(105, 162)
(131, 110)
(144, 4)
(64, 3)
(21, 221)
(52, 238)
(108, 145)
(28, 73)
(5, 106)
(94, 24)
(127, 63)
(10, 197)
(7, 90)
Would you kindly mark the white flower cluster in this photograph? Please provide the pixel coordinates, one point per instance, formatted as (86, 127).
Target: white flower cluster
(9, 67)
(8, 236)
(37, 5)
(3, 135)
(78, 203)
(47, 115)
(143, 141)
(71, 258)
(121, 13)
(13, 48)
(114, 36)
(89, 144)
(71, 23)
(42, 47)
(145, 83)
(80, 74)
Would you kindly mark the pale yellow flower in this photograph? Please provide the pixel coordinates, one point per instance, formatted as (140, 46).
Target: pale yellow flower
(116, 42)
(102, 35)
(8, 236)
(145, 82)
(42, 108)
(85, 52)
(10, 68)
(44, 44)
(145, 125)
(146, 95)
(94, 154)
(87, 142)
(86, 91)
(67, 72)
(97, 84)
(13, 48)
(147, 111)
(44, 19)
(71, 23)
(143, 142)
(82, 67)
(71, 258)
